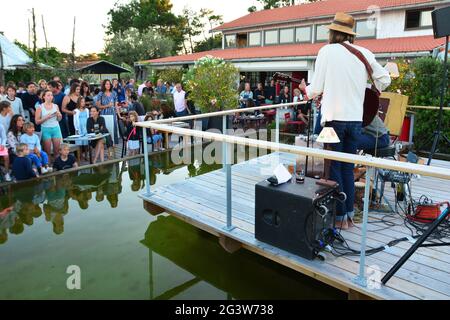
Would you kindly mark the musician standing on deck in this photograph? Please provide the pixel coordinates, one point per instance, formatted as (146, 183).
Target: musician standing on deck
(342, 78)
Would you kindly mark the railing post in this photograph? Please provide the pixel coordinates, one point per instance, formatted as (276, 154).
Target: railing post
(224, 145)
(146, 163)
(227, 159)
(277, 126)
(361, 278)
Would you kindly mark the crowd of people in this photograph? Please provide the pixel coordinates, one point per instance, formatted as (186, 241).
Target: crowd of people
(261, 96)
(41, 115)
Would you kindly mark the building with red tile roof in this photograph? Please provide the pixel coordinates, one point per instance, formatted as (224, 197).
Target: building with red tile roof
(288, 39)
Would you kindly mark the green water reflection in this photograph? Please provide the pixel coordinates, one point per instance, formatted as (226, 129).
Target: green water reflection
(93, 219)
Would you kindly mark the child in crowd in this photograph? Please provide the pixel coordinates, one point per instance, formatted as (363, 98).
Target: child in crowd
(6, 114)
(36, 154)
(133, 134)
(155, 138)
(21, 168)
(65, 160)
(4, 152)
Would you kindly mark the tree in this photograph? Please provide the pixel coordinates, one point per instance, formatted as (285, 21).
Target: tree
(131, 46)
(271, 4)
(143, 15)
(213, 42)
(192, 27)
(212, 19)
(212, 84)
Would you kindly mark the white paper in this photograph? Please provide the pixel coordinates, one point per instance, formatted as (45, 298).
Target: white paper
(282, 174)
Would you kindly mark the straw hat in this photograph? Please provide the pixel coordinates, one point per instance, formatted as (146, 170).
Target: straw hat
(343, 23)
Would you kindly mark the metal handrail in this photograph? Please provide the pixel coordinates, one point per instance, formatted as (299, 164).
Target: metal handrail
(368, 161)
(229, 112)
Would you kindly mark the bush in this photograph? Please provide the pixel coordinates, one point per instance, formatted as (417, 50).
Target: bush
(429, 74)
(171, 75)
(421, 80)
(212, 84)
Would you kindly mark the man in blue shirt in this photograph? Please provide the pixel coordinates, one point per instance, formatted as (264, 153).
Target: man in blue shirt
(117, 87)
(160, 87)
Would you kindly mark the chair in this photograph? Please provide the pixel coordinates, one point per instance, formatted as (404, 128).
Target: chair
(300, 125)
(393, 106)
(109, 123)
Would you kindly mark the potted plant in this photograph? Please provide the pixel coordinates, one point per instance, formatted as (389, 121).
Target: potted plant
(212, 85)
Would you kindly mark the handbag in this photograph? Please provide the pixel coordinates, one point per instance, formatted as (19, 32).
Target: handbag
(372, 95)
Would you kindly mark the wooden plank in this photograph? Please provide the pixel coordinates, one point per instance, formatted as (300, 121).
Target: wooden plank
(153, 209)
(215, 203)
(209, 212)
(417, 276)
(230, 245)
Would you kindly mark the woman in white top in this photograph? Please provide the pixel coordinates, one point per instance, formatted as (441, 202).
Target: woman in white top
(342, 78)
(48, 116)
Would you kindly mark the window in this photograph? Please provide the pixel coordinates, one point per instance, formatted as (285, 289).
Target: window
(303, 34)
(366, 28)
(418, 19)
(254, 39)
(271, 37)
(286, 35)
(230, 41)
(321, 32)
(241, 40)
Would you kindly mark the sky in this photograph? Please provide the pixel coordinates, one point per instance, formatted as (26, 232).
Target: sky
(91, 15)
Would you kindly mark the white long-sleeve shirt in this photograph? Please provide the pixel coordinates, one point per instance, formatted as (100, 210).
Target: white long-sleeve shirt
(16, 106)
(342, 78)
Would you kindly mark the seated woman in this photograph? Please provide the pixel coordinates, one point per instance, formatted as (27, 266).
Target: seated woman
(301, 110)
(376, 130)
(155, 137)
(96, 124)
(15, 131)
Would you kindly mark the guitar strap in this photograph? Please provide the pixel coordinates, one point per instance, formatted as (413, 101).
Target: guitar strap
(363, 59)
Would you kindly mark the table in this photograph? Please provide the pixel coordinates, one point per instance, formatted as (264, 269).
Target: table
(257, 120)
(178, 124)
(87, 138)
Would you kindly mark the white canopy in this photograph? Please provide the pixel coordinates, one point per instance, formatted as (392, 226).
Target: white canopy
(13, 56)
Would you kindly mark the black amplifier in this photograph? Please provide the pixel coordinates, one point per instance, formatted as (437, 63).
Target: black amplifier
(298, 218)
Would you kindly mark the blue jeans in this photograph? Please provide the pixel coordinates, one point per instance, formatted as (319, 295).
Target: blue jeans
(39, 162)
(318, 127)
(182, 113)
(368, 142)
(342, 172)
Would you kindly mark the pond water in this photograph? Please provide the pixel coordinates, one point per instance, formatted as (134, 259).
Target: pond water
(93, 219)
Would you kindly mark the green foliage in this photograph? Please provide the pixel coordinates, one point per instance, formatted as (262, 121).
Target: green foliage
(214, 42)
(270, 4)
(161, 103)
(143, 15)
(421, 80)
(212, 84)
(131, 46)
(429, 74)
(171, 75)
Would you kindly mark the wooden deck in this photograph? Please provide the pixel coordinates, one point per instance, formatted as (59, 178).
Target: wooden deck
(200, 201)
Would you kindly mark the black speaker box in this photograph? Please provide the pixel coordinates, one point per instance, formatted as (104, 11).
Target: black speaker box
(441, 22)
(295, 217)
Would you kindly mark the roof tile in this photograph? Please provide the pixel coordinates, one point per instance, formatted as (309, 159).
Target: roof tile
(390, 45)
(311, 10)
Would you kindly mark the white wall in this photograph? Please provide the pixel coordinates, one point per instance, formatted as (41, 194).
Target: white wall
(272, 66)
(391, 24)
